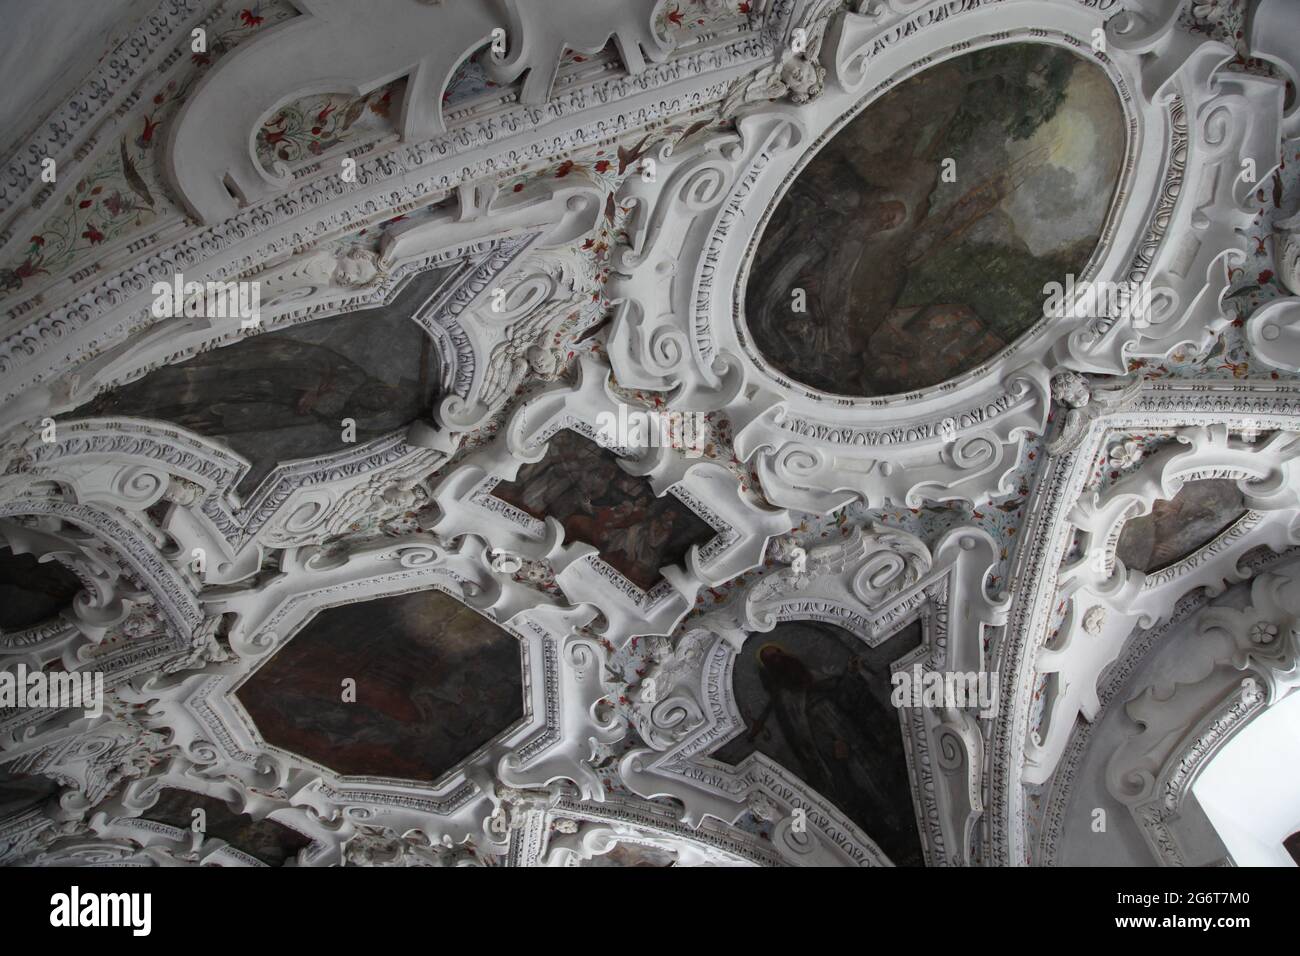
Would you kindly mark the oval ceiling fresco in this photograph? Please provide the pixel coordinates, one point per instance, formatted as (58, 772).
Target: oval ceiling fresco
(915, 245)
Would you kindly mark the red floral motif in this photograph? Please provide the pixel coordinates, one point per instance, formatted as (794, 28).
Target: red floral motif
(146, 136)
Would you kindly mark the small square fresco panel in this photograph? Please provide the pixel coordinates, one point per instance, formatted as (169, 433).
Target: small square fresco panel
(582, 486)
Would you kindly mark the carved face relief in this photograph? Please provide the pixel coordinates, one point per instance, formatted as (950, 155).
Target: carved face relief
(1071, 389)
(356, 267)
(916, 243)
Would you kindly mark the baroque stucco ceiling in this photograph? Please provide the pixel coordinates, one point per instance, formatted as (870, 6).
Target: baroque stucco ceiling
(385, 576)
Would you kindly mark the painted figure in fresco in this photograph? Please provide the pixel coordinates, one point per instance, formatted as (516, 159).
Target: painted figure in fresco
(1197, 515)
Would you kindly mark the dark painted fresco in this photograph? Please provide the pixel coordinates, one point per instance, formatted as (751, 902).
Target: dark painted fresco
(815, 699)
(911, 280)
(633, 854)
(271, 842)
(32, 591)
(434, 682)
(1195, 516)
(283, 395)
(20, 792)
(1292, 845)
(581, 485)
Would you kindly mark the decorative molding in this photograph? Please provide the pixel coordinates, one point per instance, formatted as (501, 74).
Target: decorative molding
(1270, 482)
(1207, 413)
(1182, 728)
(742, 527)
(872, 585)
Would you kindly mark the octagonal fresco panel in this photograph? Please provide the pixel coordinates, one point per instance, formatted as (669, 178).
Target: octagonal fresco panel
(909, 279)
(435, 681)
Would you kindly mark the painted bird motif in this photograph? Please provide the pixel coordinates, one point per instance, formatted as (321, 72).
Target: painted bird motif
(626, 157)
(133, 177)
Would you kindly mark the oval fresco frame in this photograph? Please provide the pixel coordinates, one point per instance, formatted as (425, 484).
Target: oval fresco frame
(961, 439)
(1025, 341)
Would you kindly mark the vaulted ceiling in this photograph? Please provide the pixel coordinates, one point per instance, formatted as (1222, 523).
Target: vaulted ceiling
(670, 432)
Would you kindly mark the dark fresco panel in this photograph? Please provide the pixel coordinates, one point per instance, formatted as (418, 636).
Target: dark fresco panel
(434, 682)
(1195, 516)
(911, 280)
(633, 854)
(271, 842)
(815, 699)
(283, 395)
(20, 792)
(33, 591)
(581, 485)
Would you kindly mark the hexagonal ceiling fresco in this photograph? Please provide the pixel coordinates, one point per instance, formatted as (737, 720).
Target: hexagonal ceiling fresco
(433, 681)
